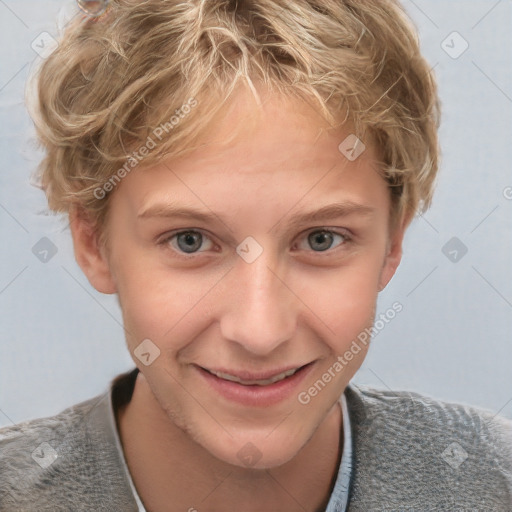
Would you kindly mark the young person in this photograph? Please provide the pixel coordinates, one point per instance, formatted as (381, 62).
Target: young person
(241, 175)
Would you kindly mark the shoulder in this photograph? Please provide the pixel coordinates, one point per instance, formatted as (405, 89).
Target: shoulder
(378, 401)
(414, 444)
(410, 411)
(67, 461)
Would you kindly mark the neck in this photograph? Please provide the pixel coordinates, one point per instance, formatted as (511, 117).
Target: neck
(167, 466)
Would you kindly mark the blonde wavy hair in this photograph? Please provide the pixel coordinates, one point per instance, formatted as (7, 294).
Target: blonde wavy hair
(116, 78)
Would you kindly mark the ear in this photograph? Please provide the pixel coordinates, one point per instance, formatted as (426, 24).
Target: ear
(91, 257)
(393, 255)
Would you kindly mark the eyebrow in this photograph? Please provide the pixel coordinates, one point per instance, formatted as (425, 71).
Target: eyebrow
(330, 211)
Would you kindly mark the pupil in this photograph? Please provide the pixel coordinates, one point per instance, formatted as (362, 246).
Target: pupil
(323, 237)
(191, 242)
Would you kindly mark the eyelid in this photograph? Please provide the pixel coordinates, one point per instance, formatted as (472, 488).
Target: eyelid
(339, 231)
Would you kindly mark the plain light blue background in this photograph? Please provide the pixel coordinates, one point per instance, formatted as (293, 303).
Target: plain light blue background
(62, 342)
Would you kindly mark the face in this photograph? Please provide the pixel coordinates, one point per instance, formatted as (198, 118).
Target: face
(245, 260)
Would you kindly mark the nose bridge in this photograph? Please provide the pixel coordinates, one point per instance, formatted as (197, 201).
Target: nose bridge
(260, 314)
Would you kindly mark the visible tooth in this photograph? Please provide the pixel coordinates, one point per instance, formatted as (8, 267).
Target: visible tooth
(262, 382)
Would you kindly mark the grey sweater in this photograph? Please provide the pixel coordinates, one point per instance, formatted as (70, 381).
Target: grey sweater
(409, 453)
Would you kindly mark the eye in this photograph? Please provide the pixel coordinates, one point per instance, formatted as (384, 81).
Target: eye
(187, 242)
(323, 239)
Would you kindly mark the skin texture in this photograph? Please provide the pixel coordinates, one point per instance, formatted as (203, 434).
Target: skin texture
(294, 304)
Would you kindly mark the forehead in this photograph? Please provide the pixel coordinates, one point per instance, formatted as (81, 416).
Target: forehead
(280, 128)
(253, 154)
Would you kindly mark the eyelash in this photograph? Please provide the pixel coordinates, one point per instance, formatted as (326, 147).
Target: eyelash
(165, 242)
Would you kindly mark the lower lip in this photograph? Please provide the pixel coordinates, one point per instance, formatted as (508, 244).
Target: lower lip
(256, 396)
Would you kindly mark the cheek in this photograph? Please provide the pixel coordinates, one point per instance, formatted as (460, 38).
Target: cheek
(348, 309)
(345, 299)
(157, 302)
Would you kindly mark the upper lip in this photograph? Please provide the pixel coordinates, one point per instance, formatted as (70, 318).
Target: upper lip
(249, 375)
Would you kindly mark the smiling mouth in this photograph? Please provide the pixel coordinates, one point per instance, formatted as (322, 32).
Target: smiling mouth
(256, 382)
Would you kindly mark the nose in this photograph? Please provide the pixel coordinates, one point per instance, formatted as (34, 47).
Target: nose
(259, 311)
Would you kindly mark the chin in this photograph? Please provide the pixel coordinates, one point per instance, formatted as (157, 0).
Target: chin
(255, 453)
